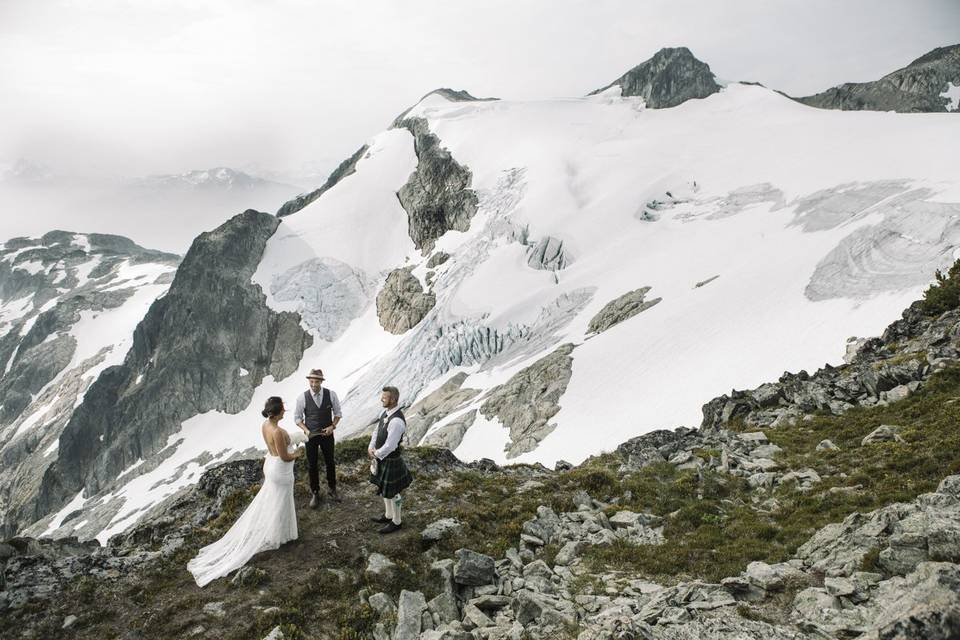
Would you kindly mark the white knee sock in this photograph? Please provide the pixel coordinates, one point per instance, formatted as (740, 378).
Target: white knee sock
(388, 508)
(397, 507)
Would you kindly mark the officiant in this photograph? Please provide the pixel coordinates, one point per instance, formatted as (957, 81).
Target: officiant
(317, 414)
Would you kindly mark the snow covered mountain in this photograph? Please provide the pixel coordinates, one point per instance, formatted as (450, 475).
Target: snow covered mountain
(542, 279)
(69, 304)
(220, 178)
(161, 211)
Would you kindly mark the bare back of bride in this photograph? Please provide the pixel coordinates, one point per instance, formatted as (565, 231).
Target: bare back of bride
(269, 520)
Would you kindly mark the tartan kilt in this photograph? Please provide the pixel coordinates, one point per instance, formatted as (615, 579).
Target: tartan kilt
(392, 477)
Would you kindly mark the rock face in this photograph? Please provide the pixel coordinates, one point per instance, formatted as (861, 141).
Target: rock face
(402, 303)
(923, 85)
(527, 401)
(193, 352)
(343, 170)
(620, 309)
(669, 78)
(437, 197)
(68, 305)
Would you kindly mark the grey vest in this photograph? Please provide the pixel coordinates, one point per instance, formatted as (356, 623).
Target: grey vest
(315, 417)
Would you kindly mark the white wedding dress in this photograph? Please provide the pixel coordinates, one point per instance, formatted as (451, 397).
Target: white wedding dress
(268, 521)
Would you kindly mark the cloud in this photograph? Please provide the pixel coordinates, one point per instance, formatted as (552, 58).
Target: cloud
(146, 86)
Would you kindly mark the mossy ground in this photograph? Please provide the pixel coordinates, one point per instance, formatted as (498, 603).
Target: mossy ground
(713, 528)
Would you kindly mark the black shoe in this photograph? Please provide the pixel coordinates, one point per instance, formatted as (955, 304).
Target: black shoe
(335, 496)
(390, 527)
(315, 500)
(381, 520)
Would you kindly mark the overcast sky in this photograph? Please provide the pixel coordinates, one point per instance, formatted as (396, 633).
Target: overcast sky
(129, 87)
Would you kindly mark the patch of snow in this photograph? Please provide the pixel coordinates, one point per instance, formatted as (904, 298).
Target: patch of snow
(85, 269)
(77, 502)
(133, 275)
(131, 467)
(81, 241)
(243, 373)
(953, 95)
(35, 418)
(33, 267)
(51, 449)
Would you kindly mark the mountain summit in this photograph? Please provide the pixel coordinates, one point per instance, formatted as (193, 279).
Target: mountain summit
(929, 83)
(671, 77)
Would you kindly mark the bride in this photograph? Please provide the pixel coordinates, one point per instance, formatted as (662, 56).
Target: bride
(270, 519)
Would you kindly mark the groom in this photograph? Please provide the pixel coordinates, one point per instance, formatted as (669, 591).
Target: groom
(317, 414)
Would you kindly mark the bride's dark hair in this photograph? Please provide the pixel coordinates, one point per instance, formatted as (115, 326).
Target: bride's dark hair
(272, 407)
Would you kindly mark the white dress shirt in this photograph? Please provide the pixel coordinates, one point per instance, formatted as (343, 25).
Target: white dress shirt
(298, 414)
(395, 429)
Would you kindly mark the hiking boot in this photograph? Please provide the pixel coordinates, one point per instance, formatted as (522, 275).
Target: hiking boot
(390, 527)
(335, 496)
(315, 500)
(381, 520)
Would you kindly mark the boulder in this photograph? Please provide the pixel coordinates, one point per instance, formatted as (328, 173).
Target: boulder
(402, 302)
(409, 615)
(440, 529)
(883, 433)
(472, 568)
(380, 567)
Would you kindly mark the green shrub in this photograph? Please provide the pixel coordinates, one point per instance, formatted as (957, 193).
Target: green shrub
(944, 294)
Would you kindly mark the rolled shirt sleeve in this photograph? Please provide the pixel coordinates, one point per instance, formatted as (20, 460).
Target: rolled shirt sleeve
(395, 429)
(335, 402)
(298, 414)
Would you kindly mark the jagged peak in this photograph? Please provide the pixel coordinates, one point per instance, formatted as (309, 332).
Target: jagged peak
(670, 77)
(938, 54)
(917, 87)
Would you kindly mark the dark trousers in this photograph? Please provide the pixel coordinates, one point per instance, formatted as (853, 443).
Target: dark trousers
(325, 444)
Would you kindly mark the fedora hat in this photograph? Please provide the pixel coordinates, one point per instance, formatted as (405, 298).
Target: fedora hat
(315, 374)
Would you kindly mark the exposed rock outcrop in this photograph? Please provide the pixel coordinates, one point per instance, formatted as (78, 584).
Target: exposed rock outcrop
(436, 406)
(883, 370)
(620, 309)
(669, 78)
(437, 197)
(188, 356)
(526, 402)
(402, 303)
(343, 170)
(923, 85)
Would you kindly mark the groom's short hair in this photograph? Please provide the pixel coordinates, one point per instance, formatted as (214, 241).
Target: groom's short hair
(394, 393)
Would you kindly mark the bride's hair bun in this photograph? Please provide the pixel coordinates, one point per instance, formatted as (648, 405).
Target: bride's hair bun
(272, 407)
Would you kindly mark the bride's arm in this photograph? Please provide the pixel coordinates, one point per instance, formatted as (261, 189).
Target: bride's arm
(280, 443)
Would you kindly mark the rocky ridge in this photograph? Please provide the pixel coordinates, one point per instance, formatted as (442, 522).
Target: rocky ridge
(924, 85)
(879, 371)
(343, 170)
